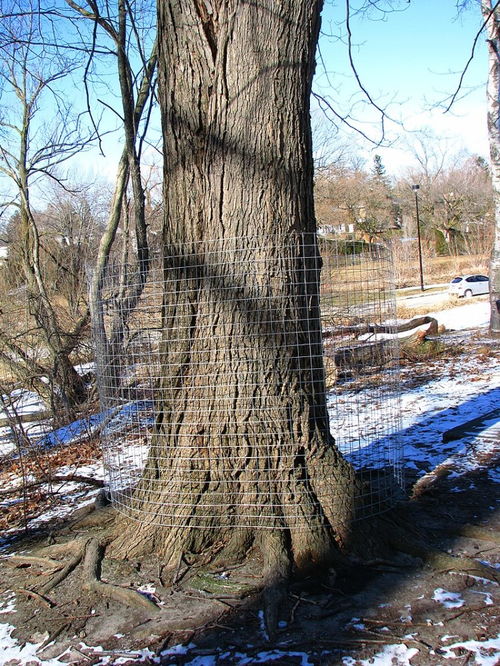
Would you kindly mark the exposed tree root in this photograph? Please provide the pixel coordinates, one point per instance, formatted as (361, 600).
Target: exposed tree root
(63, 549)
(445, 562)
(396, 535)
(20, 561)
(285, 553)
(92, 518)
(48, 603)
(63, 573)
(94, 552)
(172, 575)
(474, 532)
(276, 572)
(404, 538)
(236, 550)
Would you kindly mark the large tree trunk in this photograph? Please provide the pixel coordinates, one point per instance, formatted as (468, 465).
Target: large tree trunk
(242, 439)
(493, 95)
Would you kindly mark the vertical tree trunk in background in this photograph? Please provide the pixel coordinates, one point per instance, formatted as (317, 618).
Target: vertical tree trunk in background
(493, 93)
(68, 389)
(243, 422)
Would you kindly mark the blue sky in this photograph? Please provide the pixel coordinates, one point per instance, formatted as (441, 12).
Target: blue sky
(409, 61)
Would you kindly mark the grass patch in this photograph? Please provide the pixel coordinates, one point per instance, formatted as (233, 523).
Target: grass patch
(409, 311)
(413, 311)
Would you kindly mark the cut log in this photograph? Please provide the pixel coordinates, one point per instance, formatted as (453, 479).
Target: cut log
(375, 354)
(364, 328)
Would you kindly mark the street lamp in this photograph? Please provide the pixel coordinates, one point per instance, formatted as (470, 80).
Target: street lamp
(416, 188)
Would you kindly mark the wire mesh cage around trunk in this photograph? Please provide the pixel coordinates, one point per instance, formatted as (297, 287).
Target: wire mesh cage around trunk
(216, 379)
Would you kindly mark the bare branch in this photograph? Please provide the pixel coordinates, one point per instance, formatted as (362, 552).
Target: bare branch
(345, 120)
(471, 57)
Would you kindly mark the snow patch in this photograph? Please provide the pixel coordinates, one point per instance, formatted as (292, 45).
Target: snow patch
(488, 600)
(269, 656)
(448, 599)
(27, 652)
(391, 655)
(486, 653)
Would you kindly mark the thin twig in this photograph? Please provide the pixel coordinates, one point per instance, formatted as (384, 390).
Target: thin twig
(75, 649)
(363, 89)
(294, 608)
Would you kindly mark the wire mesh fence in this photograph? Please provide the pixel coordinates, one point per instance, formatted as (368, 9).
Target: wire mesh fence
(212, 378)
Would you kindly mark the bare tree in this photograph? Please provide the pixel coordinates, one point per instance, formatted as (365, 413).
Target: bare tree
(352, 201)
(136, 96)
(491, 15)
(455, 200)
(39, 56)
(32, 74)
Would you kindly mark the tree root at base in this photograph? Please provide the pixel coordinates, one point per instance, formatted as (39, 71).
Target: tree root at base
(94, 553)
(444, 562)
(474, 532)
(63, 573)
(277, 566)
(236, 550)
(403, 537)
(90, 553)
(379, 538)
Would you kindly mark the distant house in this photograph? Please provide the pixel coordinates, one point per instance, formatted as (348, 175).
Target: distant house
(340, 230)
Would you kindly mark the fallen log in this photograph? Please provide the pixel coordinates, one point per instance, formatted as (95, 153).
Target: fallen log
(368, 354)
(391, 329)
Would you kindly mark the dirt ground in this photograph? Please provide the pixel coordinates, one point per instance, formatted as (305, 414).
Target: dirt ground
(215, 618)
(393, 610)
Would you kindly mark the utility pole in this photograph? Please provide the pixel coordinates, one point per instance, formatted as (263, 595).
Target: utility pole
(416, 188)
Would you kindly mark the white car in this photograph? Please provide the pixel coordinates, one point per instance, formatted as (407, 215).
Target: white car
(469, 285)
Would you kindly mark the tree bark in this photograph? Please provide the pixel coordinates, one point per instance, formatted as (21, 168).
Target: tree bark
(242, 439)
(492, 19)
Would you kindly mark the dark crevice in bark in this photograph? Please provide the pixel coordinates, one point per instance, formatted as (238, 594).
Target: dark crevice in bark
(208, 26)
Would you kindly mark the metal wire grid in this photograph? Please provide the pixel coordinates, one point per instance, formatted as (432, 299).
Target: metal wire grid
(362, 346)
(212, 409)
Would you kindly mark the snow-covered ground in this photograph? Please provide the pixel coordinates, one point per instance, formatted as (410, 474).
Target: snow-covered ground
(443, 395)
(449, 392)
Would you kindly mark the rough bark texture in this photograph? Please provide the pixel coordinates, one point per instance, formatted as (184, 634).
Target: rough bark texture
(242, 433)
(493, 95)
